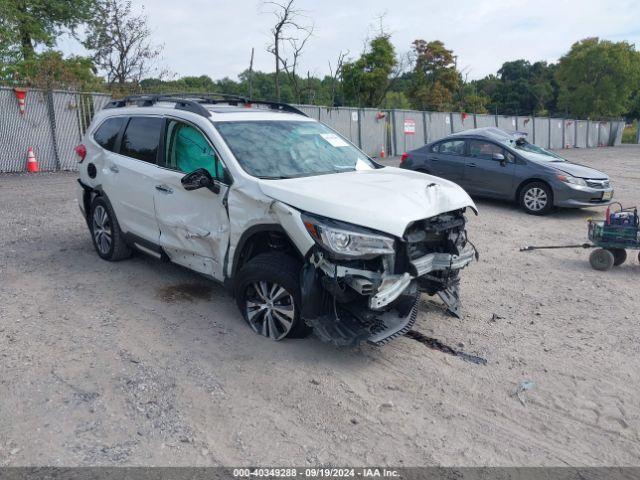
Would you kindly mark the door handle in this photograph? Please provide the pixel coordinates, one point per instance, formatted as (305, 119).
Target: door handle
(114, 169)
(164, 189)
(471, 165)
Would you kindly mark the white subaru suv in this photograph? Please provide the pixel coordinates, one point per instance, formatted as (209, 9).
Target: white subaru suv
(305, 230)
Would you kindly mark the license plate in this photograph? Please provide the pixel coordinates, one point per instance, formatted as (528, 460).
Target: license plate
(607, 195)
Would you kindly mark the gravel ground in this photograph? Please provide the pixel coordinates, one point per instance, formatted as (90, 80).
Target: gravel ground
(145, 363)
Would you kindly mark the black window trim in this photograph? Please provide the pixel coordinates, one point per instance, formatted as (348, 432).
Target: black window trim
(161, 163)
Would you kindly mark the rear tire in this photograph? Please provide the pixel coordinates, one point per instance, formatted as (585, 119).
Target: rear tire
(619, 256)
(267, 291)
(536, 198)
(105, 232)
(601, 260)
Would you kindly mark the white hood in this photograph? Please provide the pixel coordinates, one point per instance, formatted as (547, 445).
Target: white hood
(386, 199)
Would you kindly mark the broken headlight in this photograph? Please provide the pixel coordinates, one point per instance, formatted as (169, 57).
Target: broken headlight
(346, 240)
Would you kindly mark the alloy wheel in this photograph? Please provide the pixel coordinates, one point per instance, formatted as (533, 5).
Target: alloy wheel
(102, 232)
(270, 309)
(535, 199)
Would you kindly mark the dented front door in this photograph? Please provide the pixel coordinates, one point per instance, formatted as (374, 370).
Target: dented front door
(194, 225)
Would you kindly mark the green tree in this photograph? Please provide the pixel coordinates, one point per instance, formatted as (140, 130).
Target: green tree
(120, 41)
(472, 101)
(367, 80)
(395, 100)
(435, 79)
(520, 87)
(24, 24)
(597, 78)
(50, 70)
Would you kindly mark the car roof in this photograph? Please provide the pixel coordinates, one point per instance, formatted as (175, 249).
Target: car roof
(216, 112)
(490, 133)
(204, 104)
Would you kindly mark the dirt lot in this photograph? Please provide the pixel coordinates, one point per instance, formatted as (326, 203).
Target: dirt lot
(145, 363)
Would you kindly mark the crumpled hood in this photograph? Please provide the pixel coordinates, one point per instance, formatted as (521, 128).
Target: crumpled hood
(386, 199)
(573, 169)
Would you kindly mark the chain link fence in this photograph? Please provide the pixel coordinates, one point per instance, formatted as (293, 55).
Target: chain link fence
(54, 122)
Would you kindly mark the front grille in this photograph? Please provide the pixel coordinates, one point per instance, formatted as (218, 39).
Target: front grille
(600, 184)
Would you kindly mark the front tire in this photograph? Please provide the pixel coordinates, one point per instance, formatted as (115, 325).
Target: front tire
(105, 232)
(536, 198)
(267, 291)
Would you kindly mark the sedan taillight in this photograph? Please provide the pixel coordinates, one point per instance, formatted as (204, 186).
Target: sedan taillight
(403, 158)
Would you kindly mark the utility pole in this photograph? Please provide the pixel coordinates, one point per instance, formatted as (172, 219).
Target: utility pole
(251, 75)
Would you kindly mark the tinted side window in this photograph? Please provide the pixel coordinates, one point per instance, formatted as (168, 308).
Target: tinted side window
(452, 147)
(107, 133)
(481, 149)
(141, 138)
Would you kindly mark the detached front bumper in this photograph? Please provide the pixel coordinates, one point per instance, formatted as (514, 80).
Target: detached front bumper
(347, 304)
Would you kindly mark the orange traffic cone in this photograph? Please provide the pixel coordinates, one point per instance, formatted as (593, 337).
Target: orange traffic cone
(32, 163)
(382, 153)
(21, 96)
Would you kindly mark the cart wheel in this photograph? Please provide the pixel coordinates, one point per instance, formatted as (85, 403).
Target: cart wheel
(601, 259)
(619, 255)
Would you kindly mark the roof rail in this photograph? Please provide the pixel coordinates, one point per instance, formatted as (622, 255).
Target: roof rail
(193, 102)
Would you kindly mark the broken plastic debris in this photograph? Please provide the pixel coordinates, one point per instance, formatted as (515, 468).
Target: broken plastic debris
(523, 387)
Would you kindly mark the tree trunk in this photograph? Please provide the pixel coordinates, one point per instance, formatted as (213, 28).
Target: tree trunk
(26, 45)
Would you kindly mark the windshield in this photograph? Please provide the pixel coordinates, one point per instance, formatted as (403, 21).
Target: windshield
(522, 144)
(286, 149)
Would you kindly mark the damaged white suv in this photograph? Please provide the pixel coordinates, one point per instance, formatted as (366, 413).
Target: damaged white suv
(305, 230)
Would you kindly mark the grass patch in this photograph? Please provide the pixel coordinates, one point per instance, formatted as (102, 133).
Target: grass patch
(630, 133)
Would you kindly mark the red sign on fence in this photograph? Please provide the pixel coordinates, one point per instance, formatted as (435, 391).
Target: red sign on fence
(409, 127)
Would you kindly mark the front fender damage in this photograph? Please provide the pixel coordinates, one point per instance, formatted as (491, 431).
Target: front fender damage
(350, 302)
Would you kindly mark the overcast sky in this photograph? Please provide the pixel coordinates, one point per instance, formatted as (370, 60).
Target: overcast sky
(214, 37)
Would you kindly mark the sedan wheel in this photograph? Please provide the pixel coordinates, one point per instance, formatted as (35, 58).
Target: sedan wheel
(270, 309)
(536, 198)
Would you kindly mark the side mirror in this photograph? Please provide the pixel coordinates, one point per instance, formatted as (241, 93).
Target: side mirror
(199, 178)
(499, 157)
